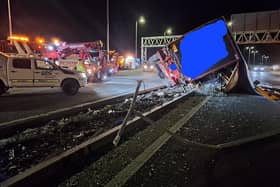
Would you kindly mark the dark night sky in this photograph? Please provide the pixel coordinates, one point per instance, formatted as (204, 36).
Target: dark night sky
(85, 20)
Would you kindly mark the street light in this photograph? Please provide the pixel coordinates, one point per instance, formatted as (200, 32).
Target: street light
(229, 24)
(168, 31)
(263, 58)
(254, 53)
(141, 21)
(266, 58)
(249, 54)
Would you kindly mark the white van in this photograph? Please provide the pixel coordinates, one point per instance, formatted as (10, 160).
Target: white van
(28, 71)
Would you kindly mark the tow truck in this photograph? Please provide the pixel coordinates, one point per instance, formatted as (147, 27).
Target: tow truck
(24, 69)
(88, 54)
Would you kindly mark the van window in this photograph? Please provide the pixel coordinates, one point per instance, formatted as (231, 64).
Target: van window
(22, 63)
(45, 65)
(3, 59)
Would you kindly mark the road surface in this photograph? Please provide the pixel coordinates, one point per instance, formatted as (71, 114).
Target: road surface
(267, 78)
(21, 103)
(154, 157)
(26, 102)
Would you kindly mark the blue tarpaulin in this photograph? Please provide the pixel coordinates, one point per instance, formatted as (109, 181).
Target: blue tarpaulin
(201, 49)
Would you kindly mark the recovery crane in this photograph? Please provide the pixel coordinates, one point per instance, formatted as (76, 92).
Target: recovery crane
(90, 55)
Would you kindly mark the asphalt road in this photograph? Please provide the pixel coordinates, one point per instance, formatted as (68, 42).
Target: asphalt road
(150, 159)
(267, 78)
(220, 120)
(21, 103)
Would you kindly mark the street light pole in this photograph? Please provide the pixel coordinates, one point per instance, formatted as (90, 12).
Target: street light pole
(108, 30)
(255, 52)
(141, 20)
(10, 18)
(249, 54)
(136, 37)
(266, 59)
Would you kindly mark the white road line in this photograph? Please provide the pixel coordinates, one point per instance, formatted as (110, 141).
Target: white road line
(123, 176)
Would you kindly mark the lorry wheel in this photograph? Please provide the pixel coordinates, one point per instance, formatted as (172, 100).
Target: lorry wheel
(70, 87)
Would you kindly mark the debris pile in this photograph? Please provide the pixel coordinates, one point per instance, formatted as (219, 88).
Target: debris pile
(32, 146)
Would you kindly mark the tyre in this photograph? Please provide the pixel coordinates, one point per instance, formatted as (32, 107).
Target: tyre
(3, 89)
(70, 87)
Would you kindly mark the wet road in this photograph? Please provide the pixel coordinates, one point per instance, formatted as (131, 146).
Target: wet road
(267, 78)
(220, 120)
(26, 102)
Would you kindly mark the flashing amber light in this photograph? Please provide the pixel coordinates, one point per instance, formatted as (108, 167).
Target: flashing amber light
(56, 41)
(19, 38)
(40, 40)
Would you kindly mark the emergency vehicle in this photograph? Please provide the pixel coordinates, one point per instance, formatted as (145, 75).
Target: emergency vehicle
(28, 71)
(25, 69)
(89, 57)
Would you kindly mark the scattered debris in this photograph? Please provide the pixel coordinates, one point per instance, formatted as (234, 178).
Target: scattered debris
(33, 146)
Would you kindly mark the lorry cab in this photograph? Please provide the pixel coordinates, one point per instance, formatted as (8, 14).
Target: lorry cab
(29, 71)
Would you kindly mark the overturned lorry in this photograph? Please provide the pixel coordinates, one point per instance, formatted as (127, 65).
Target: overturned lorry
(208, 53)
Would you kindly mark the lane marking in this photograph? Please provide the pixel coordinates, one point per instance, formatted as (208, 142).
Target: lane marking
(47, 114)
(124, 175)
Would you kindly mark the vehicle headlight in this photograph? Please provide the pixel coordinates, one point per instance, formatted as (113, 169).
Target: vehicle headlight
(89, 71)
(145, 66)
(111, 70)
(256, 69)
(275, 67)
(152, 67)
(83, 75)
(262, 69)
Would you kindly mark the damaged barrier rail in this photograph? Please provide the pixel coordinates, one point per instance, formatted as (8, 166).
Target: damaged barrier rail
(78, 139)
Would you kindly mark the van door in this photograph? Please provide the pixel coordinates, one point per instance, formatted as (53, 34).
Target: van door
(46, 74)
(20, 72)
(3, 68)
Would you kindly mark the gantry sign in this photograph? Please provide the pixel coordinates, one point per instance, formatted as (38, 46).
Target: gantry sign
(155, 42)
(257, 37)
(247, 28)
(256, 27)
(242, 37)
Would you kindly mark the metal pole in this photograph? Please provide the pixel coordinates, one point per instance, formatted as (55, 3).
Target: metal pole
(254, 58)
(10, 19)
(266, 60)
(130, 110)
(142, 44)
(136, 38)
(108, 31)
(231, 24)
(249, 55)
